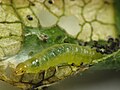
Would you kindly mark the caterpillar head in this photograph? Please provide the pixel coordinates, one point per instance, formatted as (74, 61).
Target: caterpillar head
(21, 69)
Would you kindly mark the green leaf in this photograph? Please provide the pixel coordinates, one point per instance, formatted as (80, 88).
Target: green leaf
(117, 12)
(110, 62)
(34, 40)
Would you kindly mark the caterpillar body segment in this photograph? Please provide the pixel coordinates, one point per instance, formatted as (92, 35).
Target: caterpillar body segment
(57, 55)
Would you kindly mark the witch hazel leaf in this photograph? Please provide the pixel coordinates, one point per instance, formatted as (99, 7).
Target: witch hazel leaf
(28, 27)
(110, 62)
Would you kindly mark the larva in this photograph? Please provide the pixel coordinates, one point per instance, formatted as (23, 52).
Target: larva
(56, 55)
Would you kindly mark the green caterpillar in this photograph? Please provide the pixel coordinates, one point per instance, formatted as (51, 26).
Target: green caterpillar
(57, 55)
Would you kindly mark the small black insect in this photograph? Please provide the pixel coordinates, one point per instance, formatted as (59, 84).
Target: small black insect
(50, 1)
(66, 41)
(81, 63)
(29, 17)
(106, 2)
(95, 43)
(110, 40)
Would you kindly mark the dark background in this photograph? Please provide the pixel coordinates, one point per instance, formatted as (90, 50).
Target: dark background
(97, 80)
(90, 80)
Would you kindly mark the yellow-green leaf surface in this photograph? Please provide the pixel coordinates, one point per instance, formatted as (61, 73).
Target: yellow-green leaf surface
(27, 27)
